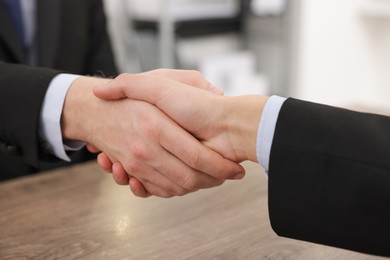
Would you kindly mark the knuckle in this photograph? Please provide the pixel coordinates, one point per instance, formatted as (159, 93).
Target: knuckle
(218, 182)
(139, 153)
(151, 129)
(133, 167)
(195, 76)
(123, 76)
(180, 192)
(160, 71)
(140, 194)
(224, 170)
(120, 180)
(156, 191)
(175, 190)
(193, 159)
(137, 192)
(190, 184)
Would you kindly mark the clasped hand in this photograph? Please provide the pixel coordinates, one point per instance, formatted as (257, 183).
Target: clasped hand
(173, 134)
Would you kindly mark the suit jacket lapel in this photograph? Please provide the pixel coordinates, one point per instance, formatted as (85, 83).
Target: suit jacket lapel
(48, 30)
(9, 36)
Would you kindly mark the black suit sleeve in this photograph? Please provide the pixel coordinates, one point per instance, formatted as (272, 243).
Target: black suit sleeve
(100, 56)
(22, 90)
(85, 39)
(71, 37)
(329, 177)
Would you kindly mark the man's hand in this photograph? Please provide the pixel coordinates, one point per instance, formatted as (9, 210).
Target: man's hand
(228, 125)
(150, 146)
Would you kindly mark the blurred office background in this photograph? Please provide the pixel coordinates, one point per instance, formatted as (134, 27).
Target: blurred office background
(335, 52)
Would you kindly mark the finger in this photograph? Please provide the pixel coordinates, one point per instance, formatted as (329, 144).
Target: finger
(91, 148)
(113, 89)
(156, 190)
(188, 77)
(153, 163)
(183, 175)
(104, 162)
(137, 86)
(147, 189)
(119, 175)
(200, 157)
(135, 185)
(138, 189)
(145, 173)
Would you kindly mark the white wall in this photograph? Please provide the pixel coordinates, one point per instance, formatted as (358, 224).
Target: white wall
(344, 57)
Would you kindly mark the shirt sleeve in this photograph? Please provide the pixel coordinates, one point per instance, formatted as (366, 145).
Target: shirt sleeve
(266, 130)
(50, 117)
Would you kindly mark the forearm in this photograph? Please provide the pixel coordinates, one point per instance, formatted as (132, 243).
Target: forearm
(333, 165)
(22, 90)
(241, 121)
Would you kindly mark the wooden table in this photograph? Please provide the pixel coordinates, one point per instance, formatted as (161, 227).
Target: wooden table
(79, 213)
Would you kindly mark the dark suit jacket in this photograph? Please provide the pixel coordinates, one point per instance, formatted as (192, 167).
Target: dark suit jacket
(329, 177)
(72, 37)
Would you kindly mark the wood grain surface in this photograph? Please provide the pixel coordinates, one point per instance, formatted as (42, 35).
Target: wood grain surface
(80, 213)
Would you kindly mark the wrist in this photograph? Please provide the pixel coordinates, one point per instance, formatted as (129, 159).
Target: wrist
(79, 109)
(242, 121)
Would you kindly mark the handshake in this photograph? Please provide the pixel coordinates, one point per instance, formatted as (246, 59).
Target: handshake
(164, 132)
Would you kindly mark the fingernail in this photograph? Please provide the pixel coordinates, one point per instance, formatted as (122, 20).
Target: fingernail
(238, 176)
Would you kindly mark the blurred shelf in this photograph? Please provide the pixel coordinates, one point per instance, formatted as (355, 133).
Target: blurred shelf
(183, 10)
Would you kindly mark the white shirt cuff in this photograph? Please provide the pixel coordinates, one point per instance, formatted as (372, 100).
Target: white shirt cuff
(267, 125)
(50, 127)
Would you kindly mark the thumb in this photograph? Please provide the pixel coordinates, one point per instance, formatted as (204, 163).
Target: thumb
(109, 91)
(133, 86)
